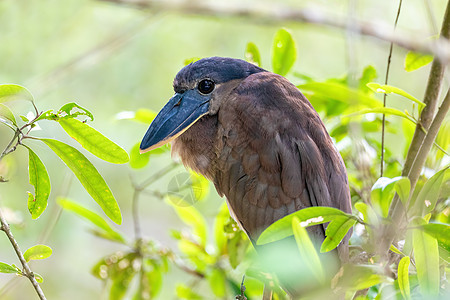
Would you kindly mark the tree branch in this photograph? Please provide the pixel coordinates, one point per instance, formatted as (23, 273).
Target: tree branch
(431, 99)
(26, 268)
(275, 14)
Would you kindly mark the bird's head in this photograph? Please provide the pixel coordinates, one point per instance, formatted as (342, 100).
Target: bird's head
(200, 88)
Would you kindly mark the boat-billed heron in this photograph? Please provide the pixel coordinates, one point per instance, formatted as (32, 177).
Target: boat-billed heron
(258, 139)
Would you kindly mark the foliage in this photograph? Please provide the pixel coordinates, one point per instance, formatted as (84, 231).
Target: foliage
(415, 267)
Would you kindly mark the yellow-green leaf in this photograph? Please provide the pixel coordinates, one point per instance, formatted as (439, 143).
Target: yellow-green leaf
(252, 54)
(428, 195)
(40, 180)
(403, 277)
(284, 52)
(138, 160)
(89, 177)
(388, 89)
(10, 92)
(217, 282)
(92, 217)
(403, 187)
(308, 216)
(426, 255)
(414, 60)
(37, 252)
(382, 194)
(308, 253)
(7, 114)
(94, 142)
(336, 231)
(439, 231)
(381, 110)
(5, 268)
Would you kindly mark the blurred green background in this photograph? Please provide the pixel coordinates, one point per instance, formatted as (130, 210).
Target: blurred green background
(111, 58)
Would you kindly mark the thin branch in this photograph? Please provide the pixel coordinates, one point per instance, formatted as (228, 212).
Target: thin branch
(26, 268)
(431, 99)
(428, 141)
(276, 14)
(386, 79)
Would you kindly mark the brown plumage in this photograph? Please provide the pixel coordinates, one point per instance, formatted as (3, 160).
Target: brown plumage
(262, 145)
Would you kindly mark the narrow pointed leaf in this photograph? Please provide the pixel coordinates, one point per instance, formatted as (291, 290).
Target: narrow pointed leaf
(284, 52)
(426, 254)
(73, 110)
(387, 89)
(308, 216)
(252, 54)
(94, 142)
(414, 61)
(6, 113)
(369, 215)
(89, 177)
(37, 252)
(403, 187)
(381, 110)
(10, 92)
(403, 277)
(308, 253)
(38, 277)
(382, 194)
(92, 217)
(336, 231)
(439, 231)
(5, 268)
(428, 195)
(40, 180)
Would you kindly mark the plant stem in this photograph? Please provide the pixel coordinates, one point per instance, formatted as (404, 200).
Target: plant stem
(386, 79)
(26, 268)
(431, 98)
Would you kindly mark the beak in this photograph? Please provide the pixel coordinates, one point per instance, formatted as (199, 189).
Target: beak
(180, 113)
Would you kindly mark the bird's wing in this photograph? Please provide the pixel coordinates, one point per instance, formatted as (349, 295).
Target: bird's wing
(274, 155)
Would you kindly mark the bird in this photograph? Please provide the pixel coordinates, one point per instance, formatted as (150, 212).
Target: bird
(257, 138)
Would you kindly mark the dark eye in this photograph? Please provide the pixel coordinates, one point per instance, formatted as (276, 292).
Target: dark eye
(206, 86)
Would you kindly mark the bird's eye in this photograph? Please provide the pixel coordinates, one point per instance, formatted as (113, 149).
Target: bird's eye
(206, 86)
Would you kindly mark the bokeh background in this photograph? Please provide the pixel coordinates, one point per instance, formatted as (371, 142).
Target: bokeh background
(111, 58)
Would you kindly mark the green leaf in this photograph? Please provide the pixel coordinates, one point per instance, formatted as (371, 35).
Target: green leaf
(308, 253)
(428, 195)
(339, 92)
(48, 115)
(7, 114)
(138, 160)
(336, 231)
(414, 60)
(191, 216)
(252, 54)
(403, 187)
(185, 292)
(217, 282)
(360, 277)
(121, 280)
(439, 231)
(396, 250)
(40, 180)
(92, 217)
(403, 277)
(381, 110)
(37, 252)
(142, 115)
(368, 75)
(426, 255)
(284, 52)
(94, 142)
(369, 215)
(219, 228)
(89, 177)
(5, 268)
(387, 89)
(191, 60)
(382, 194)
(308, 216)
(73, 110)
(10, 92)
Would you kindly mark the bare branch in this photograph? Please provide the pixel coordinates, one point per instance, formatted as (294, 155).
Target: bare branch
(275, 14)
(26, 268)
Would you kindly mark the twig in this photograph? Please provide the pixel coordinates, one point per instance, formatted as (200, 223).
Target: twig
(275, 14)
(383, 124)
(26, 268)
(431, 99)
